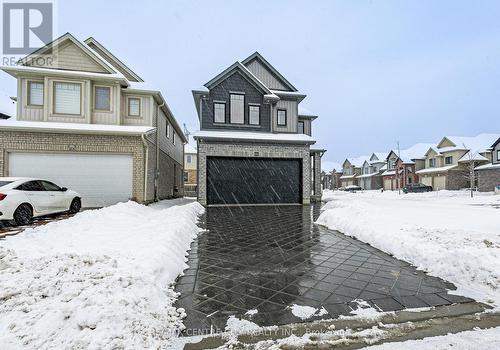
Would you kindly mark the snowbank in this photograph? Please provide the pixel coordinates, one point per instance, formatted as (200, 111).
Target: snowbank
(98, 280)
(445, 233)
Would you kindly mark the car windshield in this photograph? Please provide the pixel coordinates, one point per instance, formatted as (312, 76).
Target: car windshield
(3, 183)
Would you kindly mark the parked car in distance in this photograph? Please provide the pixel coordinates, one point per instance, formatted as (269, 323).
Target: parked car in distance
(22, 199)
(352, 188)
(417, 187)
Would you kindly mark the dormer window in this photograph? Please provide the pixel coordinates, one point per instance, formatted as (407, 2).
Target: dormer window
(35, 93)
(219, 112)
(281, 117)
(237, 109)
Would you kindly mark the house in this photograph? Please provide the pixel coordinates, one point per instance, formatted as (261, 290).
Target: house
(351, 169)
(448, 165)
(190, 170)
(88, 122)
(7, 106)
(370, 178)
(488, 175)
(402, 166)
(254, 143)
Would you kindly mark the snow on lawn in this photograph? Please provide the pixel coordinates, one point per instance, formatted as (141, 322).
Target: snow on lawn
(98, 280)
(446, 233)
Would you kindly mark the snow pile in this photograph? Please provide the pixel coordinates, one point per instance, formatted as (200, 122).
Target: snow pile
(445, 233)
(364, 311)
(304, 312)
(240, 326)
(97, 280)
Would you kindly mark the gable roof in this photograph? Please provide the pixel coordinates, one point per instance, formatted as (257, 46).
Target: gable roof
(496, 143)
(409, 155)
(381, 157)
(257, 56)
(479, 143)
(357, 162)
(56, 42)
(113, 60)
(237, 66)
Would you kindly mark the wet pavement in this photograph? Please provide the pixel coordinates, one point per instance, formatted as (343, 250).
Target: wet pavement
(269, 258)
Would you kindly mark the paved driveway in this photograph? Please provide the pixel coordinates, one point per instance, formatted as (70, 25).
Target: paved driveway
(270, 258)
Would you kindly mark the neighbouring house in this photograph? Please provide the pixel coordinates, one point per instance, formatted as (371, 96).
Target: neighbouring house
(488, 175)
(370, 178)
(332, 171)
(402, 166)
(7, 106)
(351, 169)
(190, 170)
(87, 122)
(448, 165)
(254, 143)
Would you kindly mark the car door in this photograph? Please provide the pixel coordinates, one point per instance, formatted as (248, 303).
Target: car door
(37, 196)
(57, 200)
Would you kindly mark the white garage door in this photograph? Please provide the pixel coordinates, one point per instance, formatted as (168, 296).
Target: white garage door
(426, 180)
(439, 183)
(101, 179)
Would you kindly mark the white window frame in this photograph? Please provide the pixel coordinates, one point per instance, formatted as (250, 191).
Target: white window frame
(189, 158)
(448, 157)
(234, 113)
(128, 107)
(278, 117)
(498, 155)
(303, 127)
(29, 83)
(54, 97)
(223, 104)
(96, 87)
(432, 163)
(250, 107)
(167, 130)
(173, 137)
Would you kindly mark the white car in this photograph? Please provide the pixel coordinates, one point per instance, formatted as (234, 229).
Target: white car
(22, 199)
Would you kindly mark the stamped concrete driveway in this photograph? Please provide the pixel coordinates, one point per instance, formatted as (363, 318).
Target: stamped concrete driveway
(269, 258)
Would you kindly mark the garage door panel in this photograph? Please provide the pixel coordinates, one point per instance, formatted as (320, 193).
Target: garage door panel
(253, 180)
(101, 179)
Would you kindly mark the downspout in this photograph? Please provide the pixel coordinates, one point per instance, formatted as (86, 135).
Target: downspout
(146, 156)
(157, 172)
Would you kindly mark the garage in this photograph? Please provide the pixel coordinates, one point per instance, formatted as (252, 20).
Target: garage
(101, 179)
(253, 180)
(439, 182)
(426, 180)
(388, 184)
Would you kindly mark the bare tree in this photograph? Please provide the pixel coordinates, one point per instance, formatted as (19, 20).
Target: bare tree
(471, 165)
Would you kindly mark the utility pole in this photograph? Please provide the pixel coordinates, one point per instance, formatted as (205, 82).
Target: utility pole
(397, 170)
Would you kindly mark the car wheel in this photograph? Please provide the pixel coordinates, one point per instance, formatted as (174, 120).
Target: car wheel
(76, 205)
(23, 215)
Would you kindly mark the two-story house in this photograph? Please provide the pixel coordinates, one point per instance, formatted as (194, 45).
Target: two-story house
(370, 178)
(447, 165)
(190, 170)
(402, 166)
(351, 169)
(488, 175)
(87, 122)
(254, 143)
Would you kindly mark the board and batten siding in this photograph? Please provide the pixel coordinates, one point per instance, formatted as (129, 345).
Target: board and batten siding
(175, 151)
(24, 111)
(146, 117)
(107, 117)
(265, 76)
(71, 57)
(291, 108)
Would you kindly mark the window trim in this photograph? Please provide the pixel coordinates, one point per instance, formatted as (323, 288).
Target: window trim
(223, 103)
(28, 93)
(173, 137)
(189, 158)
(54, 112)
(110, 98)
(303, 127)
(278, 119)
(167, 129)
(498, 155)
(128, 107)
(446, 160)
(250, 105)
(238, 94)
(432, 162)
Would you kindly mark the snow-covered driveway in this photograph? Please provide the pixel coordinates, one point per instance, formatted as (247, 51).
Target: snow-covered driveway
(445, 233)
(98, 280)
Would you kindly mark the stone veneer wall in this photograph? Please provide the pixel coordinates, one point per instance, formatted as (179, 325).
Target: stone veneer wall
(457, 179)
(11, 141)
(318, 190)
(232, 149)
(487, 179)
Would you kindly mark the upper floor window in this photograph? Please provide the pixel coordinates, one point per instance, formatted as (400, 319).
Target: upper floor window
(102, 98)
(67, 98)
(134, 107)
(282, 117)
(237, 109)
(219, 112)
(167, 130)
(432, 163)
(498, 155)
(448, 160)
(254, 115)
(35, 93)
(392, 164)
(189, 158)
(300, 127)
(173, 137)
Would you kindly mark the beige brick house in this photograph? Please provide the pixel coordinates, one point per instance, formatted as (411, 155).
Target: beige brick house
(87, 122)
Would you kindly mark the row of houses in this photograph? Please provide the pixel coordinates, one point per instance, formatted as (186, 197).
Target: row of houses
(450, 164)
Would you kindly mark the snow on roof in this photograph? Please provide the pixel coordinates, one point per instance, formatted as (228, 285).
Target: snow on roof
(417, 151)
(436, 170)
(472, 156)
(358, 161)
(304, 112)
(488, 166)
(254, 136)
(477, 144)
(74, 127)
(329, 166)
(188, 148)
(367, 175)
(347, 176)
(7, 105)
(389, 172)
(381, 157)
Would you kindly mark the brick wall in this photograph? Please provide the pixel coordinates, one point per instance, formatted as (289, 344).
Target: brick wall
(249, 150)
(75, 143)
(487, 179)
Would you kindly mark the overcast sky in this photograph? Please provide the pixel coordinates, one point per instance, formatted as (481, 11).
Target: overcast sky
(374, 71)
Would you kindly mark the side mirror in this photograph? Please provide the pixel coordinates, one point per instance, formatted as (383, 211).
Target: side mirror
(64, 189)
